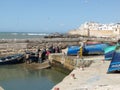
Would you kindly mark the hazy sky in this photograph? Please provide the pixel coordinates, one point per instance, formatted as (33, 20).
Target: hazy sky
(55, 15)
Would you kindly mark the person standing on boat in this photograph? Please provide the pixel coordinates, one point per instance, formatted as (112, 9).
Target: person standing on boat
(43, 54)
(47, 53)
(27, 58)
(51, 49)
(39, 58)
(57, 49)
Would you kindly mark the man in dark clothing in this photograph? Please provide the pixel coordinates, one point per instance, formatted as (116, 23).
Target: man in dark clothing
(38, 56)
(43, 55)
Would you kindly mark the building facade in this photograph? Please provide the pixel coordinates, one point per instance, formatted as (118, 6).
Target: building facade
(98, 30)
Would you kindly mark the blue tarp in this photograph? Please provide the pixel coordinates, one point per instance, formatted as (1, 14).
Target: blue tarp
(73, 50)
(87, 49)
(95, 48)
(115, 63)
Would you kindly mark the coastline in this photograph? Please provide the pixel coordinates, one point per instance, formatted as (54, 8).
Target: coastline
(11, 46)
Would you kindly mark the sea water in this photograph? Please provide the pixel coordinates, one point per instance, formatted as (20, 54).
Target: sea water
(19, 77)
(22, 35)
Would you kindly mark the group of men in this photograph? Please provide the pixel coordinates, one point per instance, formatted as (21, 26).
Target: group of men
(41, 55)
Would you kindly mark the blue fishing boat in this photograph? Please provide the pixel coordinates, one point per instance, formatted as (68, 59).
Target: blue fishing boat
(115, 62)
(109, 51)
(86, 49)
(73, 50)
(12, 59)
(95, 48)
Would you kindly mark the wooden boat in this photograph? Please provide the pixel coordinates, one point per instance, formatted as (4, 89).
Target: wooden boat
(109, 51)
(86, 49)
(115, 62)
(12, 59)
(94, 48)
(73, 50)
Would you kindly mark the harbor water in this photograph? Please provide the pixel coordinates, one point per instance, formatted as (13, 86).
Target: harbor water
(19, 77)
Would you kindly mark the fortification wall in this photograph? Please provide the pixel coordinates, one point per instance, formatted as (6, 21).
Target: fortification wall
(96, 33)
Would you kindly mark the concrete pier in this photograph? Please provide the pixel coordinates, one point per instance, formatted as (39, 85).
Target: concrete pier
(71, 62)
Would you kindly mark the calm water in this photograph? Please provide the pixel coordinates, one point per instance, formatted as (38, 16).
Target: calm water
(18, 77)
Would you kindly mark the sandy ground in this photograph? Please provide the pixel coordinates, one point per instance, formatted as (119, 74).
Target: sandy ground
(94, 77)
(1, 88)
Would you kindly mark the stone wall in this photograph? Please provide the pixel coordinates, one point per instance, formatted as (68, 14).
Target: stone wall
(96, 33)
(68, 62)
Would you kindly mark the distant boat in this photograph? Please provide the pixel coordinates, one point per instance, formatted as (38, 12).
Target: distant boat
(12, 59)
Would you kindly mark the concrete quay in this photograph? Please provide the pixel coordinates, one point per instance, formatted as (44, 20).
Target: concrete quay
(71, 62)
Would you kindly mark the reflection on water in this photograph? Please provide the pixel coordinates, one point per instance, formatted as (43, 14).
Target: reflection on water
(18, 77)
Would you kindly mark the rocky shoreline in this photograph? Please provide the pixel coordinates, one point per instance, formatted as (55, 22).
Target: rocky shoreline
(11, 46)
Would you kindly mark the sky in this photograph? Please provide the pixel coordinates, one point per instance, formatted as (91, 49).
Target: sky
(55, 15)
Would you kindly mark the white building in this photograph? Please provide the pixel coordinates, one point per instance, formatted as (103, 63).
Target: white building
(98, 26)
(98, 29)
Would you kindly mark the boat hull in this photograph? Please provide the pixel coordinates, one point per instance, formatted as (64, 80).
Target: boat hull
(115, 62)
(94, 49)
(109, 51)
(16, 60)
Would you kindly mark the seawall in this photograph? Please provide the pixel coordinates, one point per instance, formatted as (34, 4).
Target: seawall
(69, 62)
